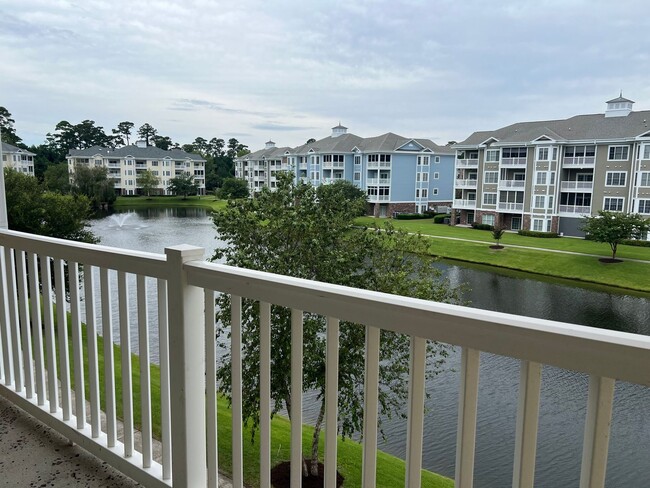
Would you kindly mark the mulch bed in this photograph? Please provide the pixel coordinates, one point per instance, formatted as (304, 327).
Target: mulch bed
(609, 260)
(281, 477)
(496, 247)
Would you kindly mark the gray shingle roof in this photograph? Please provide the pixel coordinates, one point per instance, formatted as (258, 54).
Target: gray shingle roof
(10, 148)
(270, 153)
(578, 128)
(150, 152)
(345, 143)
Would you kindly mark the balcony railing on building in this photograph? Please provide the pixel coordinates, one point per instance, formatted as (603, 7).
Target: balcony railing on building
(34, 353)
(378, 164)
(512, 183)
(378, 181)
(464, 203)
(467, 163)
(378, 198)
(575, 209)
(514, 161)
(577, 185)
(466, 183)
(510, 206)
(584, 161)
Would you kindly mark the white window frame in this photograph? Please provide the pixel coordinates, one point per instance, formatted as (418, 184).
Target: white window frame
(645, 151)
(496, 179)
(485, 195)
(434, 191)
(423, 160)
(644, 175)
(541, 225)
(609, 177)
(543, 153)
(357, 176)
(607, 204)
(646, 206)
(625, 151)
(541, 178)
(489, 158)
(436, 160)
(436, 175)
(539, 201)
(487, 219)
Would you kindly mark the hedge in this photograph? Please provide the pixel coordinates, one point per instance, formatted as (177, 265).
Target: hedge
(534, 233)
(411, 216)
(440, 218)
(478, 226)
(635, 242)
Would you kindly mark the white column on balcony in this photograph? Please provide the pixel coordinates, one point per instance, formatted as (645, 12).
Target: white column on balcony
(415, 427)
(165, 409)
(467, 406)
(187, 370)
(91, 339)
(5, 330)
(296, 397)
(50, 336)
(236, 390)
(527, 422)
(125, 361)
(109, 358)
(371, 405)
(23, 311)
(62, 332)
(331, 401)
(145, 372)
(37, 329)
(211, 391)
(77, 347)
(265, 394)
(597, 428)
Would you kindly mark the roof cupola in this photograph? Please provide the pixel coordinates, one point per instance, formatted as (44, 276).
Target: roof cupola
(339, 130)
(619, 107)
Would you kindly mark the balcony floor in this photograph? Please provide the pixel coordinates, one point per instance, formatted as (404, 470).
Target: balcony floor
(32, 454)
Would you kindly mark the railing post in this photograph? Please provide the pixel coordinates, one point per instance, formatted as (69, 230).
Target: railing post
(186, 370)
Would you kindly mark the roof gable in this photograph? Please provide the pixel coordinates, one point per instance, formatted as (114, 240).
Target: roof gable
(411, 145)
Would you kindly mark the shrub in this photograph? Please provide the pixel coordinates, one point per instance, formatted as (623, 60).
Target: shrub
(478, 226)
(411, 216)
(440, 218)
(637, 243)
(534, 233)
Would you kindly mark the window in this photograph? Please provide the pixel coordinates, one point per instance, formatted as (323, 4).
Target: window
(542, 154)
(436, 159)
(467, 155)
(580, 151)
(357, 160)
(491, 177)
(538, 225)
(540, 201)
(555, 154)
(436, 176)
(618, 153)
(357, 175)
(327, 158)
(487, 219)
(421, 193)
(373, 158)
(489, 198)
(540, 178)
(423, 160)
(422, 176)
(315, 175)
(434, 191)
(644, 180)
(154, 163)
(644, 206)
(514, 152)
(492, 155)
(550, 201)
(615, 178)
(552, 182)
(613, 204)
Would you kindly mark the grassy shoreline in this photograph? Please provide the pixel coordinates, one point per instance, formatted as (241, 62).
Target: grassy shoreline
(204, 201)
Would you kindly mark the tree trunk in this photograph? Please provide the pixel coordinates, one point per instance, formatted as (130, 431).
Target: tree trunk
(314, 441)
(613, 246)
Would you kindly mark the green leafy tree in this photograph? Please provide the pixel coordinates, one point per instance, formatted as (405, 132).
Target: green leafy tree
(233, 188)
(148, 182)
(614, 227)
(497, 234)
(94, 183)
(7, 130)
(32, 209)
(299, 231)
(162, 142)
(85, 134)
(147, 133)
(183, 185)
(311, 140)
(57, 178)
(123, 132)
(236, 148)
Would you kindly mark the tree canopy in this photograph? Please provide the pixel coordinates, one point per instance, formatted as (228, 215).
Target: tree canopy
(147, 133)
(183, 185)
(7, 130)
(614, 227)
(122, 132)
(233, 188)
(300, 231)
(93, 182)
(148, 182)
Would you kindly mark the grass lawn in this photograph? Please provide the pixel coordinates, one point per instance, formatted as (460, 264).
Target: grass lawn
(205, 201)
(630, 275)
(390, 469)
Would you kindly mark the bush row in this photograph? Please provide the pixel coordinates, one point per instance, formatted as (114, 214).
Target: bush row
(633, 242)
(478, 226)
(413, 216)
(534, 233)
(440, 218)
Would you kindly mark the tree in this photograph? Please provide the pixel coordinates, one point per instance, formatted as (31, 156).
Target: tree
(148, 181)
(162, 142)
(79, 136)
(147, 132)
(235, 148)
(299, 231)
(183, 185)
(7, 130)
(93, 182)
(201, 146)
(311, 140)
(497, 234)
(233, 188)
(57, 178)
(32, 209)
(123, 131)
(615, 227)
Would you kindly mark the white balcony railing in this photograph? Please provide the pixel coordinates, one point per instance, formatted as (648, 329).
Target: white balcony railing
(466, 183)
(378, 181)
(378, 164)
(577, 185)
(575, 209)
(510, 206)
(467, 163)
(464, 203)
(378, 198)
(514, 161)
(584, 161)
(184, 312)
(512, 183)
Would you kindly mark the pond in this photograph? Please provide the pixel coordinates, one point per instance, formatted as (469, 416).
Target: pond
(564, 393)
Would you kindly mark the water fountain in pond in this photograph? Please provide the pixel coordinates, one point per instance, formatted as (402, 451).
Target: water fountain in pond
(120, 219)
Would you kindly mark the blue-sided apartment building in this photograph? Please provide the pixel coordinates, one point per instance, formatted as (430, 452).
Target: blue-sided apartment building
(399, 174)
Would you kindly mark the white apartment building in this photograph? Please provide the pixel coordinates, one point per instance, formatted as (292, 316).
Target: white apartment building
(17, 158)
(126, 163)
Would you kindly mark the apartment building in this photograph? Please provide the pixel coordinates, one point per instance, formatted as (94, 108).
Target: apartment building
(547, 175)
(17, 158)
(398, 174)
(126, 163)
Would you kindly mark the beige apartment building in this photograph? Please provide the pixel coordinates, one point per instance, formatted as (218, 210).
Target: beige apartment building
(18, 158)
(126, 163)
(547, 175)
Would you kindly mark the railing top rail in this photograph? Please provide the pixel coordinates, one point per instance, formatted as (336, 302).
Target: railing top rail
(607, 353)
(145, 263)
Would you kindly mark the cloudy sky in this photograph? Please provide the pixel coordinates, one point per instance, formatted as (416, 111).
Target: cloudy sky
(290, 70)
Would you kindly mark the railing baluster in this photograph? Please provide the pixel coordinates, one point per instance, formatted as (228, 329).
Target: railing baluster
(236, 353)
(125, 349)
(211, 390)
(371, 405)
(265, 394)
(415, 412)
(145, 376)
(331, 401)
(62, 333)
(109, 358)
(467, 404)
(77, 347)
(296, 397)
(91, 336)
(527, 422)
(163, 354)
(23, 302)
(597, 428)
(5, 328)
(50, 345)
(37, 330)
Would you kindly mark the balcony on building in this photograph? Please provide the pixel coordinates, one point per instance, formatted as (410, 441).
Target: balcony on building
(464, 203)
(467, 159)
(575, 203)
(511, 201)
(579, 156)
(140, 164)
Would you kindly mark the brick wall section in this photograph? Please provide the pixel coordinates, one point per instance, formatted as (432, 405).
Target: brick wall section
(401, 208)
